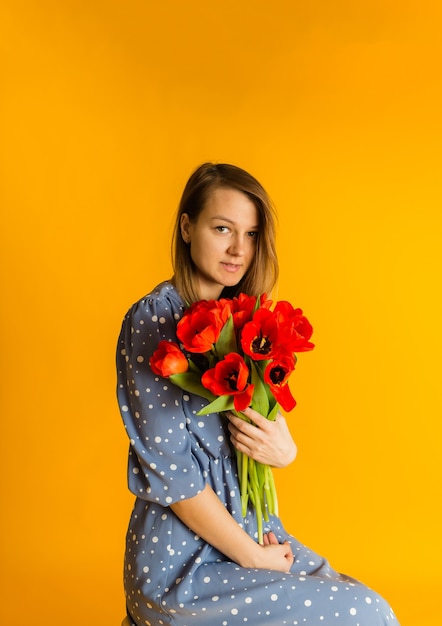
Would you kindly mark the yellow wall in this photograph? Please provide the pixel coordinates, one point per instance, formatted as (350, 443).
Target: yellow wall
(106, 108)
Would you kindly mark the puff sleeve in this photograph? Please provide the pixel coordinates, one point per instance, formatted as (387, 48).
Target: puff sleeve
(162, 466)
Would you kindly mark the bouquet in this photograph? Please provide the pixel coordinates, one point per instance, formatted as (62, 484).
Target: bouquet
(238, 353)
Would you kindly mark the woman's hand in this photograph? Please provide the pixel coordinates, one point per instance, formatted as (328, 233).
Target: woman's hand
(270, 539)
(207, 516)
(266, 441)
(276, 555)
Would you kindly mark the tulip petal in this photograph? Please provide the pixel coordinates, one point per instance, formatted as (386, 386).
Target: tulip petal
(284, 397)
(243, 400)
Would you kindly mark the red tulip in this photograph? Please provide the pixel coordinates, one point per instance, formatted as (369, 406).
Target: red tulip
(243, 308)
(201, 325)
(230, 377)
(276, 375)
(168, 359)
(260, 337)
(295, 328)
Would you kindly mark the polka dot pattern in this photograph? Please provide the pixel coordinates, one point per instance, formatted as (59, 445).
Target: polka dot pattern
(171, 576)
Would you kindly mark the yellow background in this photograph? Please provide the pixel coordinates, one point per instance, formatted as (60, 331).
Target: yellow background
(106, 108)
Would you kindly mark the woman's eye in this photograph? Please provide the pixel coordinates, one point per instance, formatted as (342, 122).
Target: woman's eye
(222, 229)
(253, 234)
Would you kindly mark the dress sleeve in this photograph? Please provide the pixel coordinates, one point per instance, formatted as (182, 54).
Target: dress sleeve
(162, 466)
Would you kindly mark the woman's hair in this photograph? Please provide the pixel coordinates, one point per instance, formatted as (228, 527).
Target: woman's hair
(262, 275)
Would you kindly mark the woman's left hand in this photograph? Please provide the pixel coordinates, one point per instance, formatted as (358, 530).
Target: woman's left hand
(268, 442)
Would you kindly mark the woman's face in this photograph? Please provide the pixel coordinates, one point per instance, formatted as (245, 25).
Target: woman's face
(222, 240)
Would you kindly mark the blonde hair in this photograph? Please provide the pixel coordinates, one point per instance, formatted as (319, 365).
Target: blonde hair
(262, 275)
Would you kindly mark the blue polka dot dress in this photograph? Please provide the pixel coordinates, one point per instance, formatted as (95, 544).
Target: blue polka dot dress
(172, 576)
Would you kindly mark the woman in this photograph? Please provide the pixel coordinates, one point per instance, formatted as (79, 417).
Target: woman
(191, 558)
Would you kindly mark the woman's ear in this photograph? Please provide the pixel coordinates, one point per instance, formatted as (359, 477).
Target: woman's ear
(185, 227)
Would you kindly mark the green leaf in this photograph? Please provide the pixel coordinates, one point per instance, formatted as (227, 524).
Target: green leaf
(273, 405)
(191, 382)
(260, 400)
(222, 403)
(226, 341)
(273, 412)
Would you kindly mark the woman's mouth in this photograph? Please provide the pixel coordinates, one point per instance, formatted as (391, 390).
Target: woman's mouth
(231, 267)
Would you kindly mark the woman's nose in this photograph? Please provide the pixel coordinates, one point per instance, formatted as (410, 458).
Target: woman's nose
(237, 246)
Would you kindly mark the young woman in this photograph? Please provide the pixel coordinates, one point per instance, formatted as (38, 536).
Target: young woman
(191, 558)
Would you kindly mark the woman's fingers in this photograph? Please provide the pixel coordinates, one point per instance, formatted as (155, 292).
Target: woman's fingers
(271, 537)
(266, 441)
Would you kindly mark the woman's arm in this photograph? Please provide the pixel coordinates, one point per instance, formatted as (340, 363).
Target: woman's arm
(265, 441)
(207, 516)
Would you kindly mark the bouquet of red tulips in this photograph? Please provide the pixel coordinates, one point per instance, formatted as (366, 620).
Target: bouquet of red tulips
(247, 352)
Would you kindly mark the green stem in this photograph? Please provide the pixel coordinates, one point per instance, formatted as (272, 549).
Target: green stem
(267, 491)
(261, 475)
(254, 483)
(243, 482)
(257, 486)
(274, 510)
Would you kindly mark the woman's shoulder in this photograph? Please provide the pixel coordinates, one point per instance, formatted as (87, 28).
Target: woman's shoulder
(149, 320)
(161, 299)
(166, 290)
